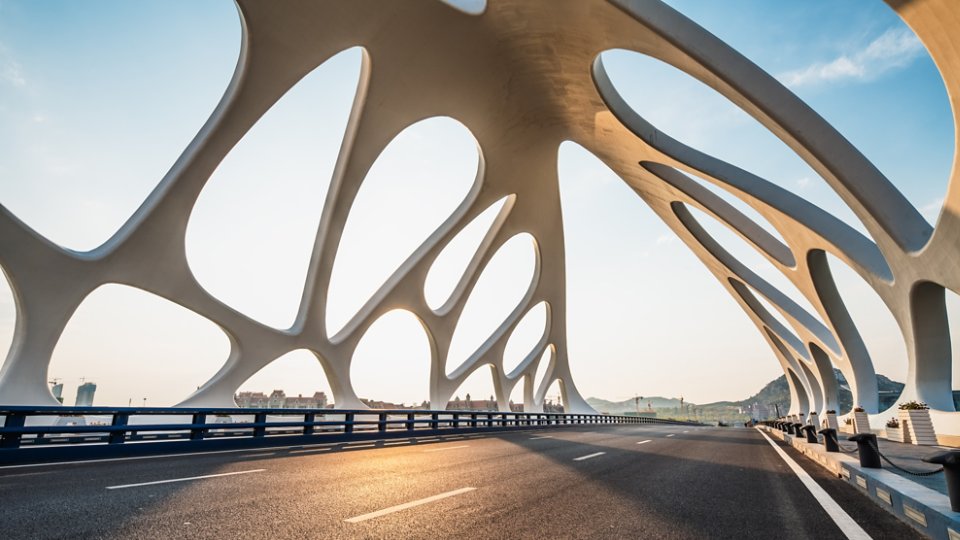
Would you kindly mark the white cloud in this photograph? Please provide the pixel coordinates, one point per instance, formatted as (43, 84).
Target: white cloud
(10, 70)
(895, 48)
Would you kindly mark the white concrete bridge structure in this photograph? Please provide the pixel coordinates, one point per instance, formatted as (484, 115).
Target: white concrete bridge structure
(525, 76)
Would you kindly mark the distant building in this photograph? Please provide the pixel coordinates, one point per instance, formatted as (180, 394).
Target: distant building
(252, 400)
(57, 391)
(457, 404)
(278, 400)
(317, 401)
(85, 394)
(376, 404)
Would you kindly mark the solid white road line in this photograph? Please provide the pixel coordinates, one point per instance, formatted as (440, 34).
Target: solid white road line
(399, 507)
(847, 525)
(447, 448)
(124, 486)
(358, 446)
(671, 435)
(541, 437)
(588, 456)
(310, 450)
(646, 441)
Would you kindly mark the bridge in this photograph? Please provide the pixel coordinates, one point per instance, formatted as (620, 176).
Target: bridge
(523, 77)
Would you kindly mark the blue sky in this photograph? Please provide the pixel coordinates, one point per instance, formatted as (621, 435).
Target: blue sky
(97, 100)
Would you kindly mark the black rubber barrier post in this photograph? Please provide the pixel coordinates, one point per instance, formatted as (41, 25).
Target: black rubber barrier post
(811, 434)
(830, 439)
(867, 448)
(783, 427)
(951, 470)
(798, 429)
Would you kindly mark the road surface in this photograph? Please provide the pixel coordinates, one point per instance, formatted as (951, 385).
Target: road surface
(631, 481)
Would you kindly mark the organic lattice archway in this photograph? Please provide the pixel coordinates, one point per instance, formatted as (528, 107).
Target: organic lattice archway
(524, 77)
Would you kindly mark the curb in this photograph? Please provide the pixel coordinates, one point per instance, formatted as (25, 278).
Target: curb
(924, 509)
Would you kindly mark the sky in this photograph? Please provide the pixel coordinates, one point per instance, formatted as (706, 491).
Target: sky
(98, 99)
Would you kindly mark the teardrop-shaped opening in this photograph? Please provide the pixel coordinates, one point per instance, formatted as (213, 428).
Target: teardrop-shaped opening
(391, 364)
(476, 392)
(137, 349)
(413, 187)
(253, 228)
(530, 331)
(448, 268)
(878, 328)
(498, 293)
(630, 306)
(289, 382)
(95, 111)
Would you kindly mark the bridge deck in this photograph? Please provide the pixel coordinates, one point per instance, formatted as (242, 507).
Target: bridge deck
(583, 482)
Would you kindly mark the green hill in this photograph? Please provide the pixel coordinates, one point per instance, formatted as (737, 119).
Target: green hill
(777, 391)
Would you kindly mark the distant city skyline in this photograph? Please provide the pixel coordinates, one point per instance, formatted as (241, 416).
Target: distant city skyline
(78, 83)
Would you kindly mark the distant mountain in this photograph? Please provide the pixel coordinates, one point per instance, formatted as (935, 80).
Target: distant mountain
(628, 405)
(777, 391)
(774, 392)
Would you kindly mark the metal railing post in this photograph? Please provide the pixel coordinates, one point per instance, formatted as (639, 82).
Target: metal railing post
(435, 421)
(308, 420)
(410, 422)
(117, 437)
(473, 420)
(382, 422)
(348, 422)
(196, 434)
(12, 440)
(260, 431)
(456, 420)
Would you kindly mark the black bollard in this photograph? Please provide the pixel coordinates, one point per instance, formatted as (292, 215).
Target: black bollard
(867, 448)
(951, 470)
(790, 428)
(811, 434)
(830, 439)
(798, 429)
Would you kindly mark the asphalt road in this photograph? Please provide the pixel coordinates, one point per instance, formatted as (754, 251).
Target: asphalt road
(586, 482)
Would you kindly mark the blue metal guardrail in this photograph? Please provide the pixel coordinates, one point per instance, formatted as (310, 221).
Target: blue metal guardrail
(40, 434)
